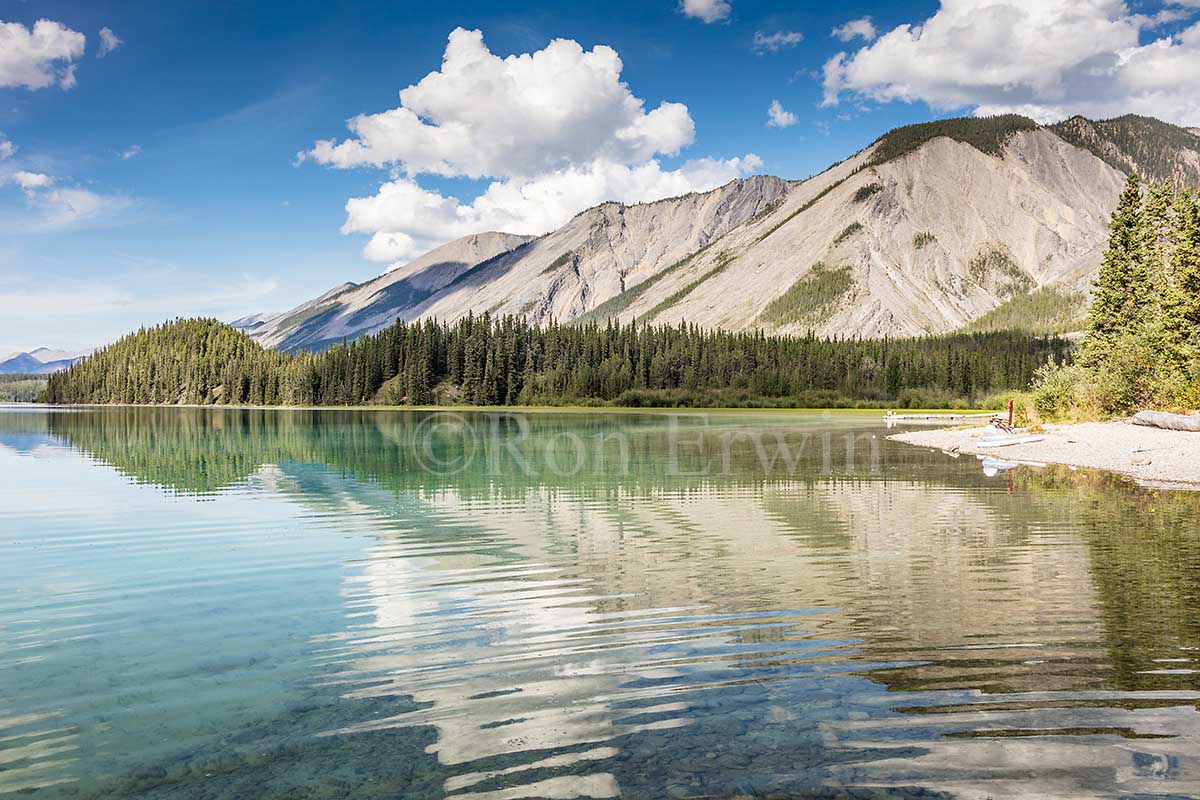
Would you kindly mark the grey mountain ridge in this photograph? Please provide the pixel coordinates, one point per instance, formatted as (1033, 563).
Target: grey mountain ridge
(923, 243)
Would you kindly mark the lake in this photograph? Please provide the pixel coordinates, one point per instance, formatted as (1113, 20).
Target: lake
(358, 604)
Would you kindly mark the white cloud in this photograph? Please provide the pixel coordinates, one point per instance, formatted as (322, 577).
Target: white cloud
(31, 180)
(41, 57)
(556, 131)
(130, 152)
(74, 207)
(108, 42)
(778, 117)
(862, 28)
(773, 43)
(7, 148)
(406, 220)
(706, 10)
(1044, 58)
(55, 209)
(519, 116)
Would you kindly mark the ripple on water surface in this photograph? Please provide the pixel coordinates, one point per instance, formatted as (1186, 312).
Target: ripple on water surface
(204, 604)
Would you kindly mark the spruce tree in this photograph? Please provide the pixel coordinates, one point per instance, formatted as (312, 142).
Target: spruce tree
(1181, 312)
(1157, 218)
(1123, 284)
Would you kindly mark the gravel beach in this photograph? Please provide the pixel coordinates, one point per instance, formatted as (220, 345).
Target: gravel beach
(1151, 456)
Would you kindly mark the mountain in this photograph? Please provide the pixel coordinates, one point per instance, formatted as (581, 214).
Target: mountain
(41, 361)
(932, 228)
(1154, 149)
(252, 322)
(561, 275)
(47, 355)
(351, 309)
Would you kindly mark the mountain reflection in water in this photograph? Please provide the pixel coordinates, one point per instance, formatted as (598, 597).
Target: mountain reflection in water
(232, 603)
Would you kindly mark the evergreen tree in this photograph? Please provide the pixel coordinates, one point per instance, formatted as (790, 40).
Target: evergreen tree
(1123, 285)
(507, 361)
(1159, 235)
(1181, 306)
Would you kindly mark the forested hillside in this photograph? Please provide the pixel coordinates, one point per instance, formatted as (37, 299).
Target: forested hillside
(505, 361)
(1153, 149)
(21, 388)
(985, 134)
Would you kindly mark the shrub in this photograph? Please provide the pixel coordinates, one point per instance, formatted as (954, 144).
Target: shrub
(994, 266)
(559, 262)
(850, 230)
(1188, 396)
(923, 240)
(1132, 377)
(864, 192)
(1056, 390)
(392, 392)
(930, 398)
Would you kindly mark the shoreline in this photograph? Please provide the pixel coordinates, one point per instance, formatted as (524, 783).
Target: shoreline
(1153, 457)
(880, 412)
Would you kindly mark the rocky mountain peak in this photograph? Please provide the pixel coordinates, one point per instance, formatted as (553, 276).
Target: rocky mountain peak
(931, 228)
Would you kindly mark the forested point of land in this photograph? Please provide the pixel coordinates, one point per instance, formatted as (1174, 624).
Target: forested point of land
(484, 360)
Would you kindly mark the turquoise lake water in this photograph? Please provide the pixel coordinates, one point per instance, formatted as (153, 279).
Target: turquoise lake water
(336, 604)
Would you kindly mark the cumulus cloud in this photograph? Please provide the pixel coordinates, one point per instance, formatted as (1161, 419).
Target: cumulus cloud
(31, 180)
(778, 117)
(405, 220)
(555, 131)
(108, 42)
(856, 28)
(706, 10)
(523, 115)
(39, 57)
(7, 148)
(773, 43)
(1043, 58)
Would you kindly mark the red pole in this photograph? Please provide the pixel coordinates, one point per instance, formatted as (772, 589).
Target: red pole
(1010, 413)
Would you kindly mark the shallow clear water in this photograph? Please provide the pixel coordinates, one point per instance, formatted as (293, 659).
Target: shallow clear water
(295, 604)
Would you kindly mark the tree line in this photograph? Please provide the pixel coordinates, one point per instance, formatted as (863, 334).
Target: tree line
(485, 360)
(17, 388)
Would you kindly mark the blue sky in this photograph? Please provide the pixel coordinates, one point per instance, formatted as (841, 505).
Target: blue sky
(175, 170)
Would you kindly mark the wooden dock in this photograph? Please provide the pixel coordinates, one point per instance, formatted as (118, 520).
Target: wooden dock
(940, 417)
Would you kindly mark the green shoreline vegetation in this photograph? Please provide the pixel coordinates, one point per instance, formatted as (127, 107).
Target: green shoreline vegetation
(1142, 348)
(486, 361)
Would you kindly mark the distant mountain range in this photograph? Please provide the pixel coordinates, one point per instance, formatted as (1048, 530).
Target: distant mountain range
(936, 227)
(41, 361)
